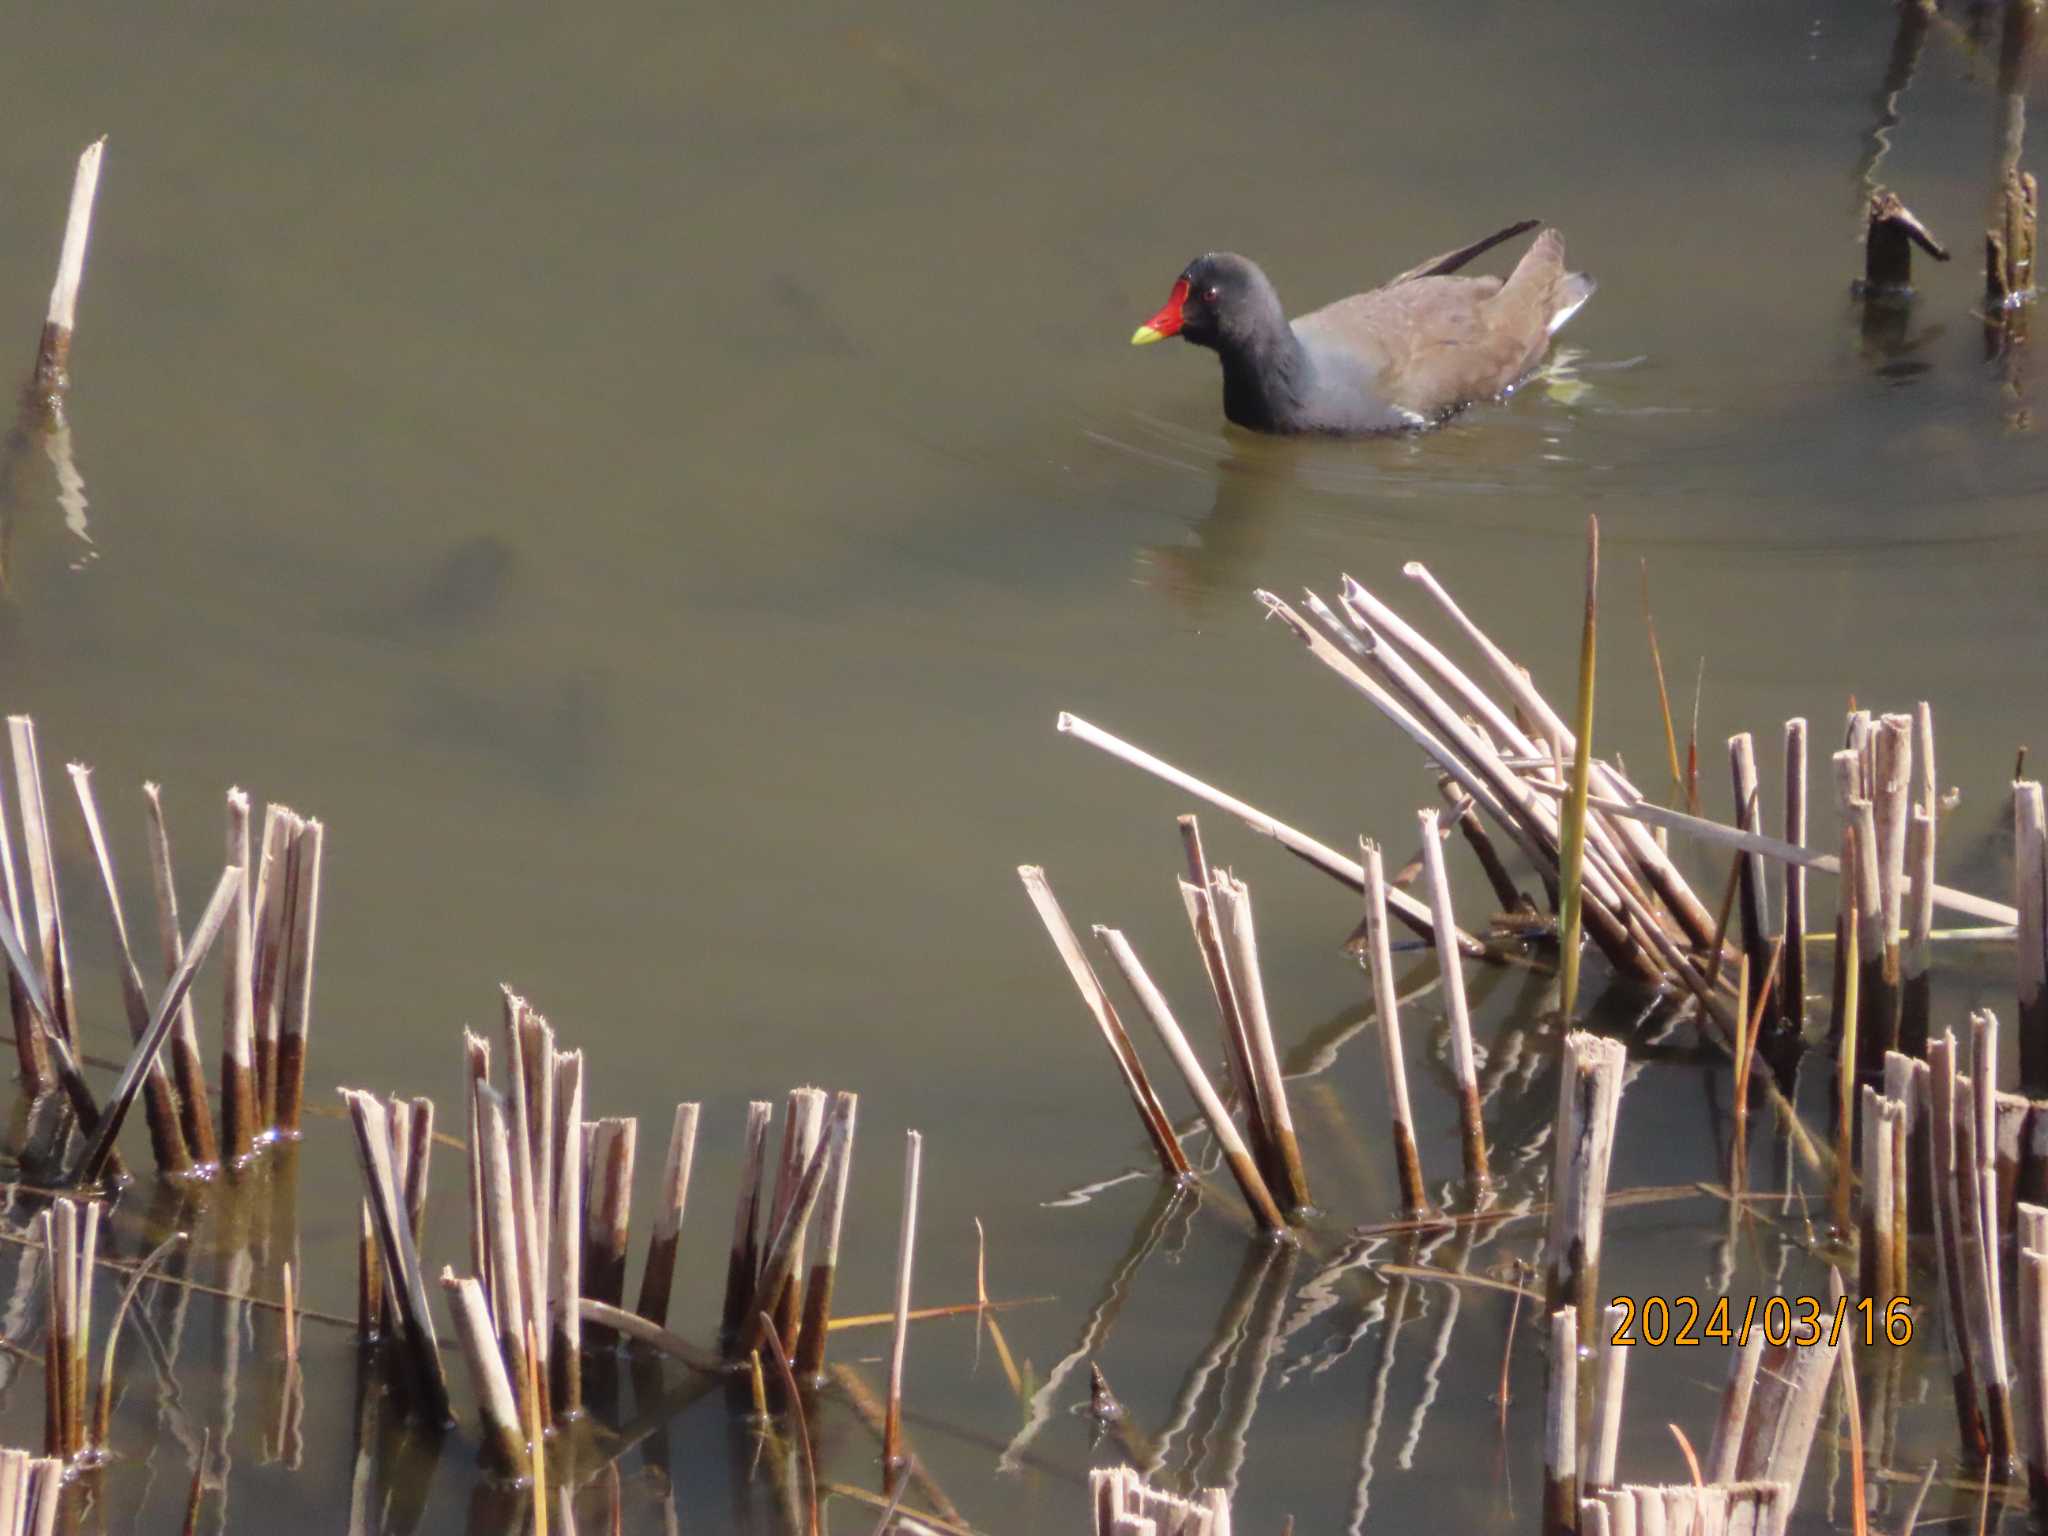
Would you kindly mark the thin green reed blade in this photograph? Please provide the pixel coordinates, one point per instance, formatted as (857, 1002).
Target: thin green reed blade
(1572, 831)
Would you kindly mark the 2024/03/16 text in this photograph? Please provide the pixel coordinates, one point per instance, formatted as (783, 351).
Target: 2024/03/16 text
(1801, 1320)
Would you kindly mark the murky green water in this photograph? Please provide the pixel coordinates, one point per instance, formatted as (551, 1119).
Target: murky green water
(649, 479)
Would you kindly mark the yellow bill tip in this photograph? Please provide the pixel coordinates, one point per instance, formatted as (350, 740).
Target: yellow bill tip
(1145, 335)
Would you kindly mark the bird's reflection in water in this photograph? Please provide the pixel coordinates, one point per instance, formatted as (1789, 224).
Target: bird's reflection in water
(1227, 541)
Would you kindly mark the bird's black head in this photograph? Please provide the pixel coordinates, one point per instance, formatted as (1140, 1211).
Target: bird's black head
(1219, 299)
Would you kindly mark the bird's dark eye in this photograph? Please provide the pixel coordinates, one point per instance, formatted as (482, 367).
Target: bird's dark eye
(1213, 295)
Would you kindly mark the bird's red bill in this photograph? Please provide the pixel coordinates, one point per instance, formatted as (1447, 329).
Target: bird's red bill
(1168, 321)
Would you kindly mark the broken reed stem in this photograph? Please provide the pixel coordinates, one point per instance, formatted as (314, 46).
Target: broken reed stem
(525, 1125)
(271, 909)
(1173, 1161)
(52, 377)
(507, 1292)
(1243, 1167)
(906, 1249)
(1407, 1160)
(52, 950)
(657, 1278)
(1948, 1175)
(98, 1155)
(504, 1435)
(810, 1339)
(802, 1135)
(70, 1231)
(1464, 1060)
(399, 1253)
(1480, 841)
(565, 1352)
(1572, 820)
(239, 1125)
(1792, 995)
(782, 1264)
(1847, 1049)
(2030, 895)
(1916, 958)
(1561, 1427)
(1985, 1236)
(166, 1132)
(1891, 801)
(1201, 897)
(1300, 844)
(296, 1013)
(1610, 1380)
(32, 1056)
(476, 1061)
(745, 1257)
(1248, 981)
(1588, 1103)
(189, 1067)
(611, 1141)
(1756, 922)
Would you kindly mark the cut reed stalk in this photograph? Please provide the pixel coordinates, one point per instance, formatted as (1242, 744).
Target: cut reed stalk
(530, 1205)
(906, 1251)
(1561, 1427)
(195, 1106)
(1243, 1166)
(1792, 994)
(271, 908)
(810, 1341)
(610, 1176)
(803, 1129)
(507, 1291)
(504, 1434)
(1785, 1411)
(1916, 958)
(1731, 1422)
(1199, 896)
(239, 1125)
(565, 1352)
(1610, 1381)
(400, 1255)
(1300, 844)
(1401, 1122)
(1173, 1161)
(54, 953)
(98, 1155)
(166, 1128)
(476, 1057)
(1751, 905)
(1891, 802)
(296, 1011)
(1286, 1177)
(657, 1278)
(1664, 876)
(32, 1056)
(52, 377)
(745, 1257)
(782, 1263)
(1984, 1235)
(1875, 1256)
(1588, 1103)
(1948, 1176)
(2030, 895)
(2032, 1284)
(1463, 1059)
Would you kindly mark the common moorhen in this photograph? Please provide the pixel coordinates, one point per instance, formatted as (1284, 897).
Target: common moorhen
(1403, 356)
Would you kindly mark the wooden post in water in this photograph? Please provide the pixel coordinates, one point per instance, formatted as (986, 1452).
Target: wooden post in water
(1401, 1122)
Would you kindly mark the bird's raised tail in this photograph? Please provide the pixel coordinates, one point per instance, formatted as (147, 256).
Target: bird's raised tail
(1542, 287)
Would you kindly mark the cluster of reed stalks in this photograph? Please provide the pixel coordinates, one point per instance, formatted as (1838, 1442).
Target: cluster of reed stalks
(267, 1010)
